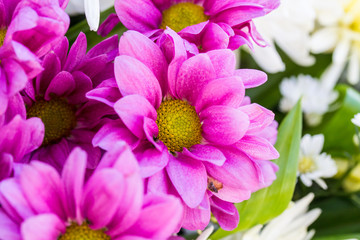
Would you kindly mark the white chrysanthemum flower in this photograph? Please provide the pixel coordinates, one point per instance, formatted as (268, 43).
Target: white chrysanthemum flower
(356, 120)
(315, 98)
(289, 27)
(314, 165)
(339, 32)
(292, 224)
(91, 8)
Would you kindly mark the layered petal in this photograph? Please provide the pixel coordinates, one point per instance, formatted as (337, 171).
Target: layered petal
(189, 178)
(223, 125)
(134, 77)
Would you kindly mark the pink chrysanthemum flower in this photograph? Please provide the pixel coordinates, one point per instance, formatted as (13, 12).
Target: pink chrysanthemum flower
(186, 124)
(57, 97)
(40, 204)
(28, 29)
(18, 137)
(209, 24)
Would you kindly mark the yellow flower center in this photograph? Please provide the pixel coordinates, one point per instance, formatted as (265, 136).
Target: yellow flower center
(83, 232)
(57, 115)
(2, 36)
(182, 15)
(352, 9)
(179, 125)
(306, 164)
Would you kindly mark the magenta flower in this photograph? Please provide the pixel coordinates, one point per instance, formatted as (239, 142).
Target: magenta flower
(57, 97)
(28, 29)
(40, 204)
(186, 125)
(209, 24)
(18, 138)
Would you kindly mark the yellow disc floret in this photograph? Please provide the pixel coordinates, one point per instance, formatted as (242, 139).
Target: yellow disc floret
(182, 15)
(179, 125)
(306, 164)
(57, 115)
(353, 9)
(83, 232)
(2, 36)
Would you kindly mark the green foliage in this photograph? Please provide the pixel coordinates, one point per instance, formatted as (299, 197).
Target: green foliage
(337, 127)
(340, 216)
(268, 203)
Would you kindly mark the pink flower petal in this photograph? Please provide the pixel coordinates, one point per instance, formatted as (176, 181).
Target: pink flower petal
(206, 153)
(196, 218)
(226, 214)
(73, 179)
(214, 37)
(9, 229)
(151, 224)
(189, 178)
(42, 227)
(151, 160)
(223, 125)
(139, 15)
(102, 197)
(260, 117)
(136, 45)
(42, 188)
(194, 73)
(251, 77)
(62, 84)
(224, 62)
(228, 91)
(113, 132)
(238, 171)
(257, 148)
(134, 77)
(132, 109)
(13, 201)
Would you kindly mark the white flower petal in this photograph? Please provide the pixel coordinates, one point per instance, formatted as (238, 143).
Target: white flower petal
(332, 74)
(356, 119)
(354, 67)
(92, 13)
(341, 51)
(206, 233)
(268, 59)
(321, 183)
(324, 40)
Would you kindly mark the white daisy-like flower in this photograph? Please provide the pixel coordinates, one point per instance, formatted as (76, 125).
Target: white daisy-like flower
(289, 26)
(314, 165)
(356, 120)
(292, 224)
(315, 98)
(91, 8)
(339, 32)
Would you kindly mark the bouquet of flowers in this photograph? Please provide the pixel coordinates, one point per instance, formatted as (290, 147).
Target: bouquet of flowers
(179, 119)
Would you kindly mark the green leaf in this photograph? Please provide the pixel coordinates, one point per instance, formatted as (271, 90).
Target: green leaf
(340, 216)
(268, 203)
(337, 127)
(337, 237)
